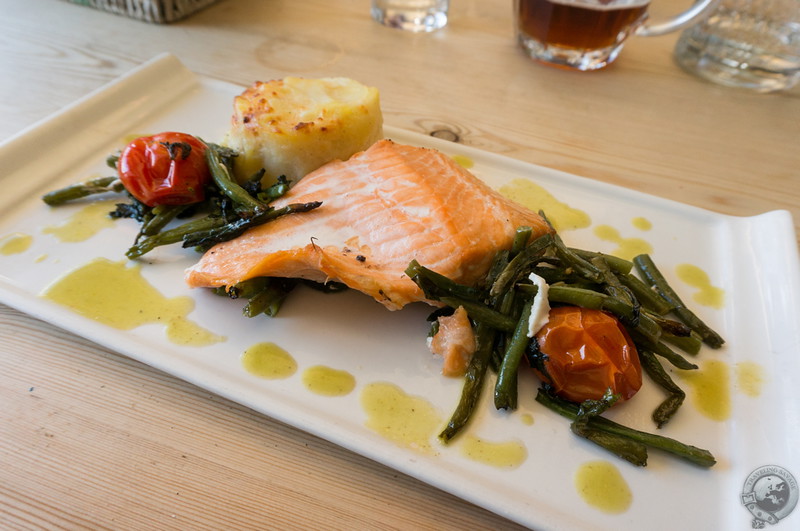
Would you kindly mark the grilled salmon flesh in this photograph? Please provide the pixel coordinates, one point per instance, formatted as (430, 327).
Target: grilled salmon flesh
(382, 208)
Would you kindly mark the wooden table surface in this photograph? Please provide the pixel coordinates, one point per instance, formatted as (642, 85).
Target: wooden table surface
(89, 438)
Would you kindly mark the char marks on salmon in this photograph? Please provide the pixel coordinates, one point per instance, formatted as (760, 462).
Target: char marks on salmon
(382, 208)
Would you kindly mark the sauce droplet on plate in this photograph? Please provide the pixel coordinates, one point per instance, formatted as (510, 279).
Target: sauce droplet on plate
(706, 294)
(601, 485)
(463, 161)
(710, 389)
(117, 295)
(84, 223)
(531, 195)
(627, 248)
(406, 420)
(15, 243)
(750, 378)
(326, 381)
(268, 360)
(509, 454)
(642, 223)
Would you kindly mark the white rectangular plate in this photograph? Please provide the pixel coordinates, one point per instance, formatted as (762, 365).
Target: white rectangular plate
(753, 259)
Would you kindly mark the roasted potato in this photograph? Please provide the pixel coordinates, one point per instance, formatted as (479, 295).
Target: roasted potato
(294, 125)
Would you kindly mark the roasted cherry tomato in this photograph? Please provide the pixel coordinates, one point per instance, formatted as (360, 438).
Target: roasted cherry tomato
(588, 351)
(165, 169)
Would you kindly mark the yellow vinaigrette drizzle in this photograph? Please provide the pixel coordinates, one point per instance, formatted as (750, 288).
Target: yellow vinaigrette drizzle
(15, 243)
(268, 360)
(601, 485)
(463, 161)
(706, 294)
(414, 423)
(627, 248)
(408, 421)
(508, 454)
(643, 224)
(534, 197)
(118, 296)
(710, 386)
(750, 378)
(327, 381)
(85, 223)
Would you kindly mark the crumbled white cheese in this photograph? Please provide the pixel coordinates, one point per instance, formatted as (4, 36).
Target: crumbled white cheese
(540, 311)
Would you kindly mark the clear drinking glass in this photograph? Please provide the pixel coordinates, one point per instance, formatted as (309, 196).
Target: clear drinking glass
(411, 15)
(746, 43)
(588, 34)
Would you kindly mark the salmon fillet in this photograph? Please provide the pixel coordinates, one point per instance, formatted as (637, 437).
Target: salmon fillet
(380, 209)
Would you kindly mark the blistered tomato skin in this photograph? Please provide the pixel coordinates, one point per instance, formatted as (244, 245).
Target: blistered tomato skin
(588, 351)
(165, 169)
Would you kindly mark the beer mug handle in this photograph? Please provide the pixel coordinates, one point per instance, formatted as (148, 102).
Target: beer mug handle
(690, 16)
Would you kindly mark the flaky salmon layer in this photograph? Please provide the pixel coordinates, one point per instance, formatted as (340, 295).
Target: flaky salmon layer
(381, 209)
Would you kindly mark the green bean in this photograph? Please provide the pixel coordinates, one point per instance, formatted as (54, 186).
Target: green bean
(648, 269)
(111, 160)
(248, 289)
(618, 265)
(692, 454)
(645, 295)
(72, 192)
(435, 285)
(645, 326)
(520, 241)
(269, 299)
(482, 313)
(505, 391)
(690, 344)
(554, 275)
(626, 308)
(678, 361)
(330, 286)
(205, 239)
(669, 326)
(226, 184)
(275, 191)
(675, 395)
(520, 264)
(505, 305)
(473, 382)
(499, 263)
(161, 216)
(612, 285)
(585, 298)
(571, 260)
(167, 237)
(630, 450)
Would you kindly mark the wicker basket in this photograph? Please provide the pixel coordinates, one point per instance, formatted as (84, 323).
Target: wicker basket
(157, 11)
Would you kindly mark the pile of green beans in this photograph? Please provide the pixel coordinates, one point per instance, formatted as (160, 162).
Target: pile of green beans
(229, 209)
(633, 291)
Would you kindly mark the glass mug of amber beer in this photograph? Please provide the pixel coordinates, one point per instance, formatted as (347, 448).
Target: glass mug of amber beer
(588, 34)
